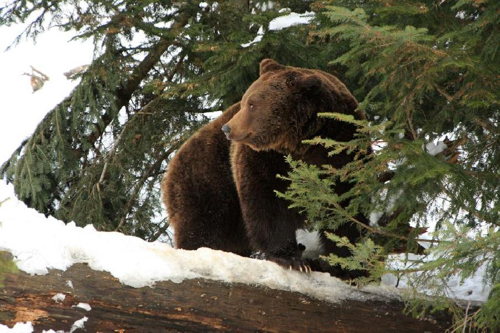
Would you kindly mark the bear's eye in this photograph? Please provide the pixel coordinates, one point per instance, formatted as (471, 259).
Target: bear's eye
(250, 106)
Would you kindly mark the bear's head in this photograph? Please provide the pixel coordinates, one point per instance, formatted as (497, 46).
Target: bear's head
(279, 110)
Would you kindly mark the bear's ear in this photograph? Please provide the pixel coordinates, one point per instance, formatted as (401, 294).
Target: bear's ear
(269, 65)
(309, 83)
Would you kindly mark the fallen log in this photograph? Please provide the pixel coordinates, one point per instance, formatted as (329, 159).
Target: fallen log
(191, 306)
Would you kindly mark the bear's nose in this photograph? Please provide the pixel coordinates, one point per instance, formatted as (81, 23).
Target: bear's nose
(226, 129)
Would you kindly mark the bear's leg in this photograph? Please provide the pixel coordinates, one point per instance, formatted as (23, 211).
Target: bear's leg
(270, 224)
(210, 228)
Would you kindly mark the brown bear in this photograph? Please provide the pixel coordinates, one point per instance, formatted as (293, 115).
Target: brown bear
(220, 193)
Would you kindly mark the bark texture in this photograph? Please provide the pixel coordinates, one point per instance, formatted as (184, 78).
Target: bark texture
(190, 306)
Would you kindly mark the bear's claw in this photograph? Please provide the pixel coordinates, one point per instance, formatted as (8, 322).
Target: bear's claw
(293, 264)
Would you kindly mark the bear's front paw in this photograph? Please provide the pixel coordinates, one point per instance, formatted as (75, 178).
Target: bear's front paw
(296, 264)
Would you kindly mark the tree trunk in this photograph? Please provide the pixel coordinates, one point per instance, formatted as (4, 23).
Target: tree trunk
(191, 306)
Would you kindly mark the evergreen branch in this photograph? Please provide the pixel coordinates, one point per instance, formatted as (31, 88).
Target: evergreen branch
(125, 93)
(442, 92)
(486, 124)
(451, 154)
(144, 110)
(177, 67)
(110, 155)
(379, 231)
(464, 207)
(141, 70)
(137, 188)
(161, 231)
(348, 118)
(6, 165)
(138, 74)
(58, 125)
(366, 226)
(27, 165)
(467, 319)
(451, 246)
(410, 132)
(38, 21)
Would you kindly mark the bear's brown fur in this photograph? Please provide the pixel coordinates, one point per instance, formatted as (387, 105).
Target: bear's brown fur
(200, 195)
(221, 194)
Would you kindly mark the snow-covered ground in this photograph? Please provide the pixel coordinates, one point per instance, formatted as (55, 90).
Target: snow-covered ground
(40, 244)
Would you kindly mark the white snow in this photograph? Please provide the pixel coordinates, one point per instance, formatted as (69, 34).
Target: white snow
(18, 328)
(375, 217)
(78, 324)
(59, 297)
(257, 39)
(470, 289)
(39, 244)
(312, 243)
(434, 149)
(292, 19)
(84, 306)
(282, 22)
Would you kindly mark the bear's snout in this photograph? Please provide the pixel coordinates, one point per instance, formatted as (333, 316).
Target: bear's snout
(226, 129)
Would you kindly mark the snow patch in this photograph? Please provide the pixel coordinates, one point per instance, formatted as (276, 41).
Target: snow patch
(17, 328)
(59, 297)
(282, 22)
(79, 324)
(470, 289)
(40, 244)
(292, 19)
(84, 306)
(312, 243)
(434, 149)
(257, 39)
(375, 217)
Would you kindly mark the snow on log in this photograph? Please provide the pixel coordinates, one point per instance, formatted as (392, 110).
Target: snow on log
(196, 305)
(72, 279)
